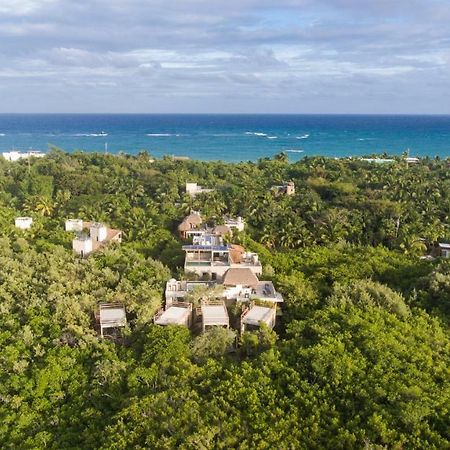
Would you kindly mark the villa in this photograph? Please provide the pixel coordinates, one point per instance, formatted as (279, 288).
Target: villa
(24, 223)
(211, 261)
(239, 285)
(99, 235)
(110, 317)
(194, 189)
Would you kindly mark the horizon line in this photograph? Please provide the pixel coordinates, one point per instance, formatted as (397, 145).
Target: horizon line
(223, 114)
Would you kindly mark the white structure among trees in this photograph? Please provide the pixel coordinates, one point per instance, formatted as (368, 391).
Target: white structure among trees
(24, 223)
(111, 316)
(74, 225)
(176, 314)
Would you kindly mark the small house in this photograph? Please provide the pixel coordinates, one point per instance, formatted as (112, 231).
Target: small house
(99, 235)
(444, 249)
(74, 225)
(285, 188)
(178, 313)
(110, 317)
(252, 318)
(237, 223)
(214, 314)
(24, 223)
(82, 245)
(194, 189)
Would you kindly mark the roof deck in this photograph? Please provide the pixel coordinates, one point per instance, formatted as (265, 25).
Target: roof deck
(256, 315)
(214, 314)
(111, 315)
(177, 314)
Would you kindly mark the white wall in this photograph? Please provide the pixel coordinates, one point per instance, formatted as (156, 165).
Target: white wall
(24, 223)
(82, 246)
(74, 225)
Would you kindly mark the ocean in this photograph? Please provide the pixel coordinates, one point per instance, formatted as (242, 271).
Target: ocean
(229, 137)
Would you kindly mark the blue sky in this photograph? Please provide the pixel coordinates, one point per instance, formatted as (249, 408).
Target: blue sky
(292, 56)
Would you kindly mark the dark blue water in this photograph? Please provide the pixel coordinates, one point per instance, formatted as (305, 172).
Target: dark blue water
(229, 137)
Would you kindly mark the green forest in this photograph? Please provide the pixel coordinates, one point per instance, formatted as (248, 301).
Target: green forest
(359, 359)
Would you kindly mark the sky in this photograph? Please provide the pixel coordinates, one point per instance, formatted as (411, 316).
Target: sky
(225, 56)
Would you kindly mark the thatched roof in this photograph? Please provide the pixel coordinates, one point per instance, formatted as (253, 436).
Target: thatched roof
(189, 222)
(240, 276)
(222, 230)
(236, 253)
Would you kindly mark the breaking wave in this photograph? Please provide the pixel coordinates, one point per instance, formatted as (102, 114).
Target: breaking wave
(256, 133)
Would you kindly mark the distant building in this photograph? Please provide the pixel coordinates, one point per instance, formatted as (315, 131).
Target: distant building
(110, 317)
(74, 225)
(24, 223)
(194, 189)
(285, 189)
(99, 235)
(179, 313)
(237, 223)
(16, 156)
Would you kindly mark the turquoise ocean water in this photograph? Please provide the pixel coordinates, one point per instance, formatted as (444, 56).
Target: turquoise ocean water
(230, 137)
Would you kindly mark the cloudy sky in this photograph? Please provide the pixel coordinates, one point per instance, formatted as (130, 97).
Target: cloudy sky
(294, 56)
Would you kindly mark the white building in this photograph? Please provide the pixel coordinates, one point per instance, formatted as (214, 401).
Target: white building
(98, 232)
(212, 261)
(15, 155)
(214, 314)
(241, 284)
(24, 223)
(99, 235)
(111, 316)
(176, 314)
(82, 245)
(74, 225)
(255, 315)
(194, 189)
(444, 249)
(237, 223)
(178, 290)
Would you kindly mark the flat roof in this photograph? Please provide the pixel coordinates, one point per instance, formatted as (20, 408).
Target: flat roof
(173, 315)
(215, 314)
(215, 248)
(111, 315)
(258, 314)
(444, 245)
